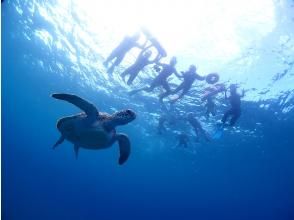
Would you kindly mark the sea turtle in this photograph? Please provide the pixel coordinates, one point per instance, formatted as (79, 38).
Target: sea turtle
(92, 129)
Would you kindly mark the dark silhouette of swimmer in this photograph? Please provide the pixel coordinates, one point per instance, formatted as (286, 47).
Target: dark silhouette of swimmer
(166, 118)
(188, 79)
(118, 54)
(235, 100)
(161, 79)
(213, 90)
(169, 117)
(183, 140)
(141, 61)
(199, 131)
(161, 126)
(210, 107)
(209, 93)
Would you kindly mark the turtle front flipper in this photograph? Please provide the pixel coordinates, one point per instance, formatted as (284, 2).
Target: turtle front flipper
(90, 110)
(124, 148)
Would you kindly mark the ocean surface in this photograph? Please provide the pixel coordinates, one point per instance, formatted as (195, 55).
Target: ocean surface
(59, 47)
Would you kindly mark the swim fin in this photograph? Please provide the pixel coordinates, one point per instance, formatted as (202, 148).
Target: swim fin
(218, 132)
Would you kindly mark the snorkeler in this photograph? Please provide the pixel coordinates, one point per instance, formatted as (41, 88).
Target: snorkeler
(235, 100)
(161, 126)
(199, 131)
(183, 140)
(210, 107)
(208, 95)
(189, 77)
(167, 118)
(141, 61)
(121, 50)
(161, 78)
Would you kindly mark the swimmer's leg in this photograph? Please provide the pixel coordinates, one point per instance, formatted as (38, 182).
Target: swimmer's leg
(180, 87)
(206, 136)
(133, 92)
(207, 113)
(119, 59)
(150, 88)
(124, 74)
(236, 114)
(132, 77)
(163, 95)
(166, 86)
(186, 89)
(109, 58)
(226, 115)
(213, 112)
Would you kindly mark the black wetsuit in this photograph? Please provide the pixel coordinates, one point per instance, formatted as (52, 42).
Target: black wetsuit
(183, 140)
(120, 51)
(235, 110)
(134, 70)
(161, 79)
(189, 78)
(210, 107)
(169, 118)
(198, 129)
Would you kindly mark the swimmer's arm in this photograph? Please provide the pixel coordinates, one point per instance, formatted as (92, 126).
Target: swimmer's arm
(243, 93)
(201, 78)
(144, 50)
(141, 46)
(159, 64)
(177, 74)
(180, 76)
(156, 59)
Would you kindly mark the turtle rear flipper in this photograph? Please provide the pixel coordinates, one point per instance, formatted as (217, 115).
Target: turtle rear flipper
(60, 140)
(90, 110)
(76, 148)
(124, 148)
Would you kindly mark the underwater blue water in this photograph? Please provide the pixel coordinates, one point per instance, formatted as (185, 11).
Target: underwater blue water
(247, 174)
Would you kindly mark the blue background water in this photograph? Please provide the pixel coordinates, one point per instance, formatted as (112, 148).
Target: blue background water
(248, 174)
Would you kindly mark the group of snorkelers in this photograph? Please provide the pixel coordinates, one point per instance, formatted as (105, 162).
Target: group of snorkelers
(161, 80)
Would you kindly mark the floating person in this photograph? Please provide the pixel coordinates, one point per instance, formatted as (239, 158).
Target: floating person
(170, 117)
(161, 126)
(234, 112)
(213, 90)
(92, 129)
(199, 131)
(141, 61)
(154, 42)
(183, 140)
(188, 79)
(161, 79)
(210, 107)
(208, 96)
(118, 54)
(235, 100)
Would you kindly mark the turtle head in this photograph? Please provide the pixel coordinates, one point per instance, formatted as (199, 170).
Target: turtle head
(123, 117)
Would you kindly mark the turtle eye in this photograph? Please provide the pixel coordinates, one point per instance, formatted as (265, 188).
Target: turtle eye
(129, 112)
